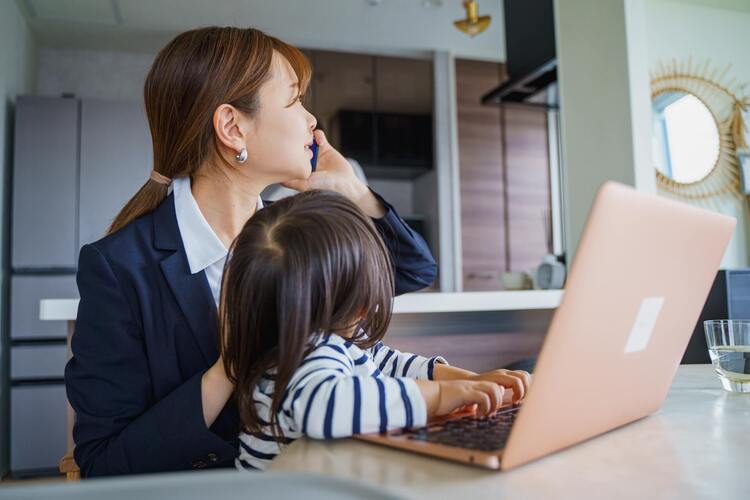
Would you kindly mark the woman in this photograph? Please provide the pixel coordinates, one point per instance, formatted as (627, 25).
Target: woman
(146, 383)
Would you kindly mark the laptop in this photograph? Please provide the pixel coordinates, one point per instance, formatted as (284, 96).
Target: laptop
(636, 287)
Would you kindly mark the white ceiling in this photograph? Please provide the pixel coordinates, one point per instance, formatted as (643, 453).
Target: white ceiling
(739, 5)
(405, 27)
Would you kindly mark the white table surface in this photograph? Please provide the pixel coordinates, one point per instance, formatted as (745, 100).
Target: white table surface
(52, 309)
(696, 446)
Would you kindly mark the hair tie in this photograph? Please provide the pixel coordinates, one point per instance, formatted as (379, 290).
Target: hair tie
(161, 179)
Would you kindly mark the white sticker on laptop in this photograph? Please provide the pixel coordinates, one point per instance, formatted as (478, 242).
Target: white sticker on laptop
(641, 332)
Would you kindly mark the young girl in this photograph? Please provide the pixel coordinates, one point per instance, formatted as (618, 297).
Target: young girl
(306, 300)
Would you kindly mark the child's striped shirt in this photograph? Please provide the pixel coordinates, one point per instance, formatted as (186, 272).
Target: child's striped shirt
(340, 390)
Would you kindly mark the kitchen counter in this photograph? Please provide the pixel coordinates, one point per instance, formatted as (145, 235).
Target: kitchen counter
(66, 309)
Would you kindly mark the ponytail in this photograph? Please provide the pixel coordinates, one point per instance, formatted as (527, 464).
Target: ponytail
(146, 200)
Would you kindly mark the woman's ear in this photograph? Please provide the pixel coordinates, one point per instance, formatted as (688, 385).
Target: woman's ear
(229, 126)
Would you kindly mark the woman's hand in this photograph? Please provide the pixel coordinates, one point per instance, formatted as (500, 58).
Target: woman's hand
(216, 389)
(445, 396)
(517, 380)
(334, 173)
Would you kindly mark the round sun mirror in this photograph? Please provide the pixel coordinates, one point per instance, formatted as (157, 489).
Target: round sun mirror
(686, 137)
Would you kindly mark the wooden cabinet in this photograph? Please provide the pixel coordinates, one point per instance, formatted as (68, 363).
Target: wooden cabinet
(527, 164)
(341, 81)
(481, 176)
(504, 180)
(403, 85)
(363, 82)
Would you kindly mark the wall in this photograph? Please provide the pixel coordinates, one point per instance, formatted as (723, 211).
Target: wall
(17, 70)
(680, 29)
(93, 73)
(605, 111)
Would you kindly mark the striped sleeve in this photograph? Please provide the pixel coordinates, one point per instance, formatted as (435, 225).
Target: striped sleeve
(394, 363)
(324, 400)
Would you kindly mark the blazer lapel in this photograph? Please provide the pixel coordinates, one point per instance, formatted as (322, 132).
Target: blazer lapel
(192, 292)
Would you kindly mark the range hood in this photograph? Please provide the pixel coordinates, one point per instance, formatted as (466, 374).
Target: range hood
(531, 61)
(528, 89)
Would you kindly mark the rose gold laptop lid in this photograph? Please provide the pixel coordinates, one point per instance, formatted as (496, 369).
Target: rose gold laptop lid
(636, 288)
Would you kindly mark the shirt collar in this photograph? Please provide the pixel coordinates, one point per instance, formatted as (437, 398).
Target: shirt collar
(202, 246)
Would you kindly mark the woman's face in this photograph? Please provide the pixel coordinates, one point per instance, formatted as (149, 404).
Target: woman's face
(278, 140)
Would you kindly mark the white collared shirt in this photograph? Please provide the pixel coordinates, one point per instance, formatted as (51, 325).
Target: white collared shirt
(203, 248)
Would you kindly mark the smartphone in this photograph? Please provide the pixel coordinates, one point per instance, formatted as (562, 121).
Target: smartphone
(314, 159)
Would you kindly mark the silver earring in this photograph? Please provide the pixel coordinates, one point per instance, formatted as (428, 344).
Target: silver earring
(242, 156)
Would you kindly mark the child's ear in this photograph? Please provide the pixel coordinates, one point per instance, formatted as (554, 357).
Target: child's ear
(362, 314)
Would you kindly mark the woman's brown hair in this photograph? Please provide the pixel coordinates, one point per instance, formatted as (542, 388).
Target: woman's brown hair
(305, 266)
(193, 75)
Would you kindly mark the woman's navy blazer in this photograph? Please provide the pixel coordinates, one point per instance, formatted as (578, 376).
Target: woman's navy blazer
(146, 332)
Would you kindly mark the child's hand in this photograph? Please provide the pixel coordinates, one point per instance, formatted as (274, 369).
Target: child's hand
(442, 397)
(517, 380)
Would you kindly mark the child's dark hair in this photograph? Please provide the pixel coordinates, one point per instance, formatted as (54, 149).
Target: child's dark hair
(309, 264)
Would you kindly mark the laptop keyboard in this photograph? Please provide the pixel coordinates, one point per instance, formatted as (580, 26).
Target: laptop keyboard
(476, 433)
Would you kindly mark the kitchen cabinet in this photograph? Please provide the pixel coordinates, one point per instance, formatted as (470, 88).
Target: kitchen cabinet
(25, 293)
(116, 160)
(39, 427)
(504, 168)
(45, 183)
